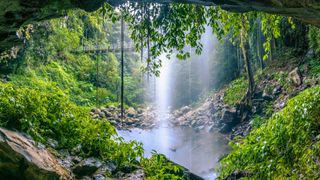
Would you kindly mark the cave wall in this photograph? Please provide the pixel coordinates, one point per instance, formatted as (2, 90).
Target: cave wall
(15, 13)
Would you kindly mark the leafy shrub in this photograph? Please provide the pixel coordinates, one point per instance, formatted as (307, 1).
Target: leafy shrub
(286, 146)
(42, 115)
(314, 67)
(159, 167)
(235, 91)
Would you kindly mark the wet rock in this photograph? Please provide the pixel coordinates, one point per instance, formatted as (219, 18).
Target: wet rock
(199, 128)
(295, 77)
(22, 159)
(193, 122)
(131, 112)
(87, 166)
(136, 175)
(106, 169)
(228, 115)
(185, 109)
(211, 128)
(98, 177)
(228, 120)
(277, 90)
(237, 175)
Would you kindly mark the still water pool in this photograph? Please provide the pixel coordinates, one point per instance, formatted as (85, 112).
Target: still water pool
(197, 151)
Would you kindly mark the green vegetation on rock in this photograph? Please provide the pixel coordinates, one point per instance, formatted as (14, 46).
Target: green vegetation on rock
(286, 146)
(235, 91)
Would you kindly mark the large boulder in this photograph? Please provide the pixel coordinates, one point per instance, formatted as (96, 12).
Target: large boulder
(21, 158)
(228, 120)
(295, 77)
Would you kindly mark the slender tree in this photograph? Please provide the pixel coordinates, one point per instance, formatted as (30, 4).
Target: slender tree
(122, 67)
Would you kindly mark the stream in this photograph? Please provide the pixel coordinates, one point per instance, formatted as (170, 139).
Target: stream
(197, 151)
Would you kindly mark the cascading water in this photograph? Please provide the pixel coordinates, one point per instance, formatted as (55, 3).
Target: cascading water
(162, 103)
(182, 81)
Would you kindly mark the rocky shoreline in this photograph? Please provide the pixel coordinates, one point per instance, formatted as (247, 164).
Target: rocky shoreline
(23, 158)
(212, 115)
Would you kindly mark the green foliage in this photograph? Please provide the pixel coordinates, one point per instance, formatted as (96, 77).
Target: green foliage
(314, 39)
(281, 77)
(159, 167)
(314, 65)
(52, 54)
(257, 121)
(235, 91)
(285, 147)
(42, 115)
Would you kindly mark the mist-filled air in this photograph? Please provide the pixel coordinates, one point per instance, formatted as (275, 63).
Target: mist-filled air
(159, 90)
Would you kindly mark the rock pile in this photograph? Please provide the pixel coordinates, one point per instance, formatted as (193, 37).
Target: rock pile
(134, 118)
(211, 115)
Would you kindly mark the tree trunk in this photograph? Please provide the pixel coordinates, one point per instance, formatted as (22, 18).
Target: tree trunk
(259, 47)
(245, 47)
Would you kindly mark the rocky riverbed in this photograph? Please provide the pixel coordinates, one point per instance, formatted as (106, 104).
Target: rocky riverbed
(144, 118)
(212, 115)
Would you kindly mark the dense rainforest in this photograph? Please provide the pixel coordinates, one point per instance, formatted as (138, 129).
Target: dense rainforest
(235, 88)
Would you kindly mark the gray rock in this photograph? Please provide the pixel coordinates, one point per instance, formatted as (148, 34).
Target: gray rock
(277, 90)
(52, 143)
(211, 128)
(136, 175)
(228, 115)
(87, 166)
(97, 111)
(185, 109)
(228, 120)
(76, 150)
(99, 177)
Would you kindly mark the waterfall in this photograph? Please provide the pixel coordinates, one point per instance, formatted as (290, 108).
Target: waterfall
(182, 81)
(163, 100)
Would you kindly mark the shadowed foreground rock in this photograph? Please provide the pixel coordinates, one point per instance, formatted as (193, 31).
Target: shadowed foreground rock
(20, 158)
